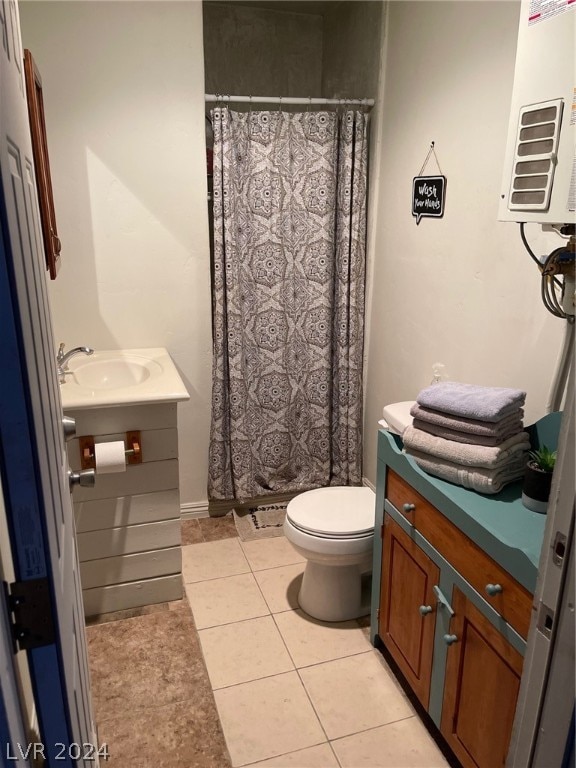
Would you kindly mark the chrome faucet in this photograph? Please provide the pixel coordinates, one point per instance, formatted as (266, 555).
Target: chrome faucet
(63, 357)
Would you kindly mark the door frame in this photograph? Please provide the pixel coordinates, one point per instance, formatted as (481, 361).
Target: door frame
(33, 468)
(545, 712)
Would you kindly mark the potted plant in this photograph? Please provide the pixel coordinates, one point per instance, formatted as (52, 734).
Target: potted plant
(538, 479)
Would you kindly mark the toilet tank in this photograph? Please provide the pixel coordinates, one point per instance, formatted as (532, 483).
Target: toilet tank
(397, 416)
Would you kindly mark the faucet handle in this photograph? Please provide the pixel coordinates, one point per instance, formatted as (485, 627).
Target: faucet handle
(60, 354)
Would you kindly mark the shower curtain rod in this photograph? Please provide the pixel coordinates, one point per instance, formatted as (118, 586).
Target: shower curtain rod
(208, 97)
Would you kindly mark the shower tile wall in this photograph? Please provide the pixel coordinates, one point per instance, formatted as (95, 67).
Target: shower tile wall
(264, 51)
(261, 52)
(351, 50)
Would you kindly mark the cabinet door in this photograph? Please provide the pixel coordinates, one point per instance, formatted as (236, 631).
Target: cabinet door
(481, 688)
(408, 576)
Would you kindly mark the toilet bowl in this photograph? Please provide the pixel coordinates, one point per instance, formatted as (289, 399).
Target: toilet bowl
(333, 528)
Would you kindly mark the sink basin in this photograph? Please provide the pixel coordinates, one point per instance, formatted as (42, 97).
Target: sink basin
(121, 377)
(114, 373)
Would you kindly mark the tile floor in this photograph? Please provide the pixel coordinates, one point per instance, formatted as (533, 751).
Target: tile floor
(236, 674)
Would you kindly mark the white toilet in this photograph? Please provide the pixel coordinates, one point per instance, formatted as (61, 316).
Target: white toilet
(333, 528)
(397, 416)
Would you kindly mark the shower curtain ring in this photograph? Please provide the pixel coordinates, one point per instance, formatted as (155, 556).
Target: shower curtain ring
(280, 106)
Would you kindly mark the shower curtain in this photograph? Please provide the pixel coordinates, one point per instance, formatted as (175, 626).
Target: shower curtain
(289, 270)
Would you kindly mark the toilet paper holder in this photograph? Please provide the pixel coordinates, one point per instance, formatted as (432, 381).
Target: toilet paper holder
(133, 449)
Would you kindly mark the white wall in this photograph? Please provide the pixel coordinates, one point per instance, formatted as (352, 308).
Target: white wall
(123, 89)
(460, 290)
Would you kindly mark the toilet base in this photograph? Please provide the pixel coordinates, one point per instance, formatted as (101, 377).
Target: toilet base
(333, 593)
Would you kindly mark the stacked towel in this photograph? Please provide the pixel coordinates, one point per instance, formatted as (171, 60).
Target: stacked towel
(469, 435)
(464, 430)
(471, 401)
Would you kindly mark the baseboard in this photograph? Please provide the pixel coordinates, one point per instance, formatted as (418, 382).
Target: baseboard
(196, 509)
(368, 484)
(193, 510)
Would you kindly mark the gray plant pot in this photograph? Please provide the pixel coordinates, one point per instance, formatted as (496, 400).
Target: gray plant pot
(536, 488)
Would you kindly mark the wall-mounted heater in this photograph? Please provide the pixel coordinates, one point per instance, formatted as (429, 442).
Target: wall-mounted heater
(539, 177)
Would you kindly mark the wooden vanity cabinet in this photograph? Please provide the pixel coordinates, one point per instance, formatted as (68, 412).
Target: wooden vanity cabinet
(480, 689)
(477, 668)
(512, 601)
(407, 616)
(454, 573)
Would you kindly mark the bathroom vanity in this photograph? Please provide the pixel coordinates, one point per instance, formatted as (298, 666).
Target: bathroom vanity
(453, 580)
(128, 524)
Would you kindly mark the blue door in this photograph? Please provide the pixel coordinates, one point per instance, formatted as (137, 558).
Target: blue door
(33, 465)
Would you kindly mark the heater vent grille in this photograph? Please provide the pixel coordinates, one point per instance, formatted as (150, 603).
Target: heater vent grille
(535, 156)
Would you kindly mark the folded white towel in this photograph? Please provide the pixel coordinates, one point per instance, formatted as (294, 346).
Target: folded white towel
(463, 453)
(472, 426)
(480, 480)
(472, 401)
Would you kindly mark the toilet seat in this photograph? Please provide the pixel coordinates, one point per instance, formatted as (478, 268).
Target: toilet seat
(336, 513)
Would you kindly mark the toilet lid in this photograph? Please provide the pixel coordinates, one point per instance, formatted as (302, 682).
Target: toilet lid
(338, 512)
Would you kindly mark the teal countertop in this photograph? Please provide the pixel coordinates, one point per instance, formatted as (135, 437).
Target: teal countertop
(500, 524)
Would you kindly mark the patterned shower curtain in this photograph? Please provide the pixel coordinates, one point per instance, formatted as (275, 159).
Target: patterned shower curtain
(289, 269)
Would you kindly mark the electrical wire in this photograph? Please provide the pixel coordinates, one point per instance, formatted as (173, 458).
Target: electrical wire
(550, 284)
(530, 251)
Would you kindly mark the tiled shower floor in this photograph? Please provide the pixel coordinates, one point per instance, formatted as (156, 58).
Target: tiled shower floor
(235, 674)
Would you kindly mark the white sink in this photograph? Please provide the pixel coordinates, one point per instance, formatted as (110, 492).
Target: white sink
(121, 377)
(111, 373)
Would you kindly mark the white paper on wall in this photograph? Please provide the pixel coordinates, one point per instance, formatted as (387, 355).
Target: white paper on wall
(541, 10)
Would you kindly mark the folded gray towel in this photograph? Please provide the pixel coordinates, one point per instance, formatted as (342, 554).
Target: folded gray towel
(471, 426)
(480, 480)
(468, 437)
(472, 401)
(465, 454)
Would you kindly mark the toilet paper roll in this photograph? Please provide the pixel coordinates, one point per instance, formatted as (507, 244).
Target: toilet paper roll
(110, 457)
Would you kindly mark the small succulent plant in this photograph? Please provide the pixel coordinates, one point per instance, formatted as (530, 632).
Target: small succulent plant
(543, 458)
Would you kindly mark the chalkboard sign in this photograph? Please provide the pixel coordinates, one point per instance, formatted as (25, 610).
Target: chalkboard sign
(428, 194)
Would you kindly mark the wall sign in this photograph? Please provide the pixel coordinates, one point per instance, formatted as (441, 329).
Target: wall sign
(428, 192)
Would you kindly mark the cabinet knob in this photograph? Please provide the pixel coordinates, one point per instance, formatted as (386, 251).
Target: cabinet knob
(442, 601)
(493, 589)
(449, 639)
(409, 507)
(425, 609)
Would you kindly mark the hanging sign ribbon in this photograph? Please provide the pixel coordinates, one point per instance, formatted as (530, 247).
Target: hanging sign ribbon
(428, 192)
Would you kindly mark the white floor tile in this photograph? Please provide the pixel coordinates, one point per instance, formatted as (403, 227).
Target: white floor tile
(353, 694)
(244, 651)
(266, 718)
(405, 744)
(311, 641)
(213, 560)
(223, 601)
(280, 586)
(314, 757)
(270, 553)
